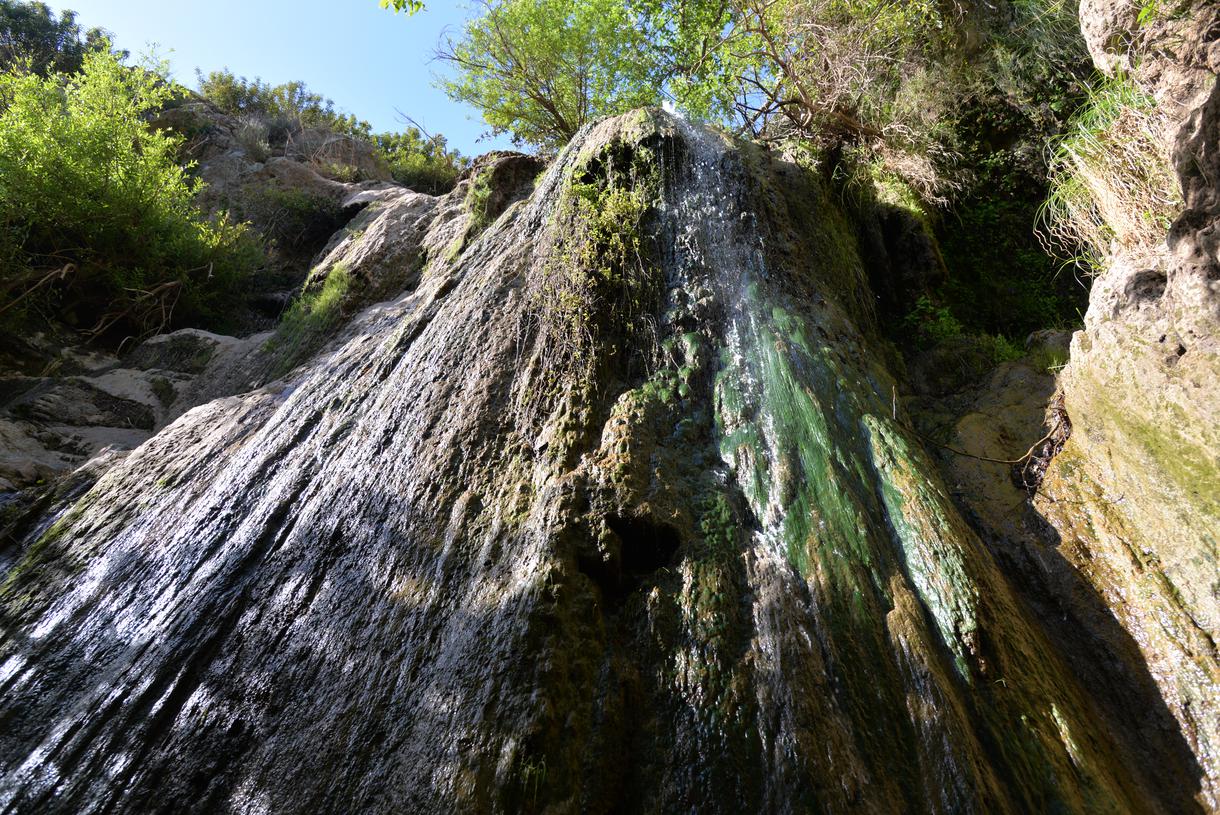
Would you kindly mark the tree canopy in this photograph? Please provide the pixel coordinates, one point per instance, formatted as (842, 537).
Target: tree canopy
(31, 32)
(95, 208)
(539, 69)
(883, 78)
(409, 6)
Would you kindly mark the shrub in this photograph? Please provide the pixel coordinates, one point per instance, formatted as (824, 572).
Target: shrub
(929, 323)
(295, 221)
(421, 162)
(337, 170)
(291, 105)
(98, 222)
(253, 137)
(602, 290)
(1003, 349)
(1110, 178)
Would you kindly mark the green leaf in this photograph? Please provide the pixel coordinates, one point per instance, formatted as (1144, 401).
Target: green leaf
(409, 6)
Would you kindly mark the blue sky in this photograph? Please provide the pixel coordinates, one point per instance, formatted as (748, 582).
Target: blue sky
(369, 61)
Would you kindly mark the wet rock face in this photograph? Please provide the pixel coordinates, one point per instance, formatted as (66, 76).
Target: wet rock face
(613, 511)
(1134, 498)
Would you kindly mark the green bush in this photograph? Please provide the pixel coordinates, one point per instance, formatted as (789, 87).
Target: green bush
(1017, 87)
(285, 107)
(929, 323)
(422, 163)
(98, 224)
(294, 221)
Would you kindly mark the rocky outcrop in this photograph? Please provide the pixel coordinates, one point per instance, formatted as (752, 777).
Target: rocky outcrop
(210, 135)
(1134, 496)
(614, 511)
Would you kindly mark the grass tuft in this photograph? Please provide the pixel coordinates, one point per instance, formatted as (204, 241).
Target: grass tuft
(1111, 186)
(310, 319)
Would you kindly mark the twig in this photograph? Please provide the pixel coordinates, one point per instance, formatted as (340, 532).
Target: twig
(59, 273)
(1028, 453)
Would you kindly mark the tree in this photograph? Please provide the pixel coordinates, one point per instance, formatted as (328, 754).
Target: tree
(795, 67)
(540, 69)
(31, 32)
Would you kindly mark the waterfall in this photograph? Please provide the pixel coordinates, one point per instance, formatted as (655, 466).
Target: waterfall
(729, 580)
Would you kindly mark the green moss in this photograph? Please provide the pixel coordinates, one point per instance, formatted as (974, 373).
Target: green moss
(312, 317)
(597, 301)
(798, 387)
(929, 538)
(478, 197)
(163, 389)
(1188, 466)
(53, 538)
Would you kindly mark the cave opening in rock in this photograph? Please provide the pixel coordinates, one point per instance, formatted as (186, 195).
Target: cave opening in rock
(646, 546)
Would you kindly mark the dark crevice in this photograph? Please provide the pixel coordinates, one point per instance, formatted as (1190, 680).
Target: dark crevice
(644, 548)
(1147, 285)
(647, 547)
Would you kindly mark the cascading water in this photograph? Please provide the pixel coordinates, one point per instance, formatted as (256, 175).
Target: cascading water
(726, 581)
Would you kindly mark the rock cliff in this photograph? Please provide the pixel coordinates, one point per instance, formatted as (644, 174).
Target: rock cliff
(613, 509)
(591, 488)
(1135, 494)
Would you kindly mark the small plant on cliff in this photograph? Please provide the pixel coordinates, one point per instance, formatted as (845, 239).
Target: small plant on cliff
(1110, 178)
(929, 323)
(477, 200)
(98, 224)
(310, 319)
(599, 293)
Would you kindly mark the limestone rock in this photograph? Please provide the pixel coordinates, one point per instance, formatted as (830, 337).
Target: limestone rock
(384, 244)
